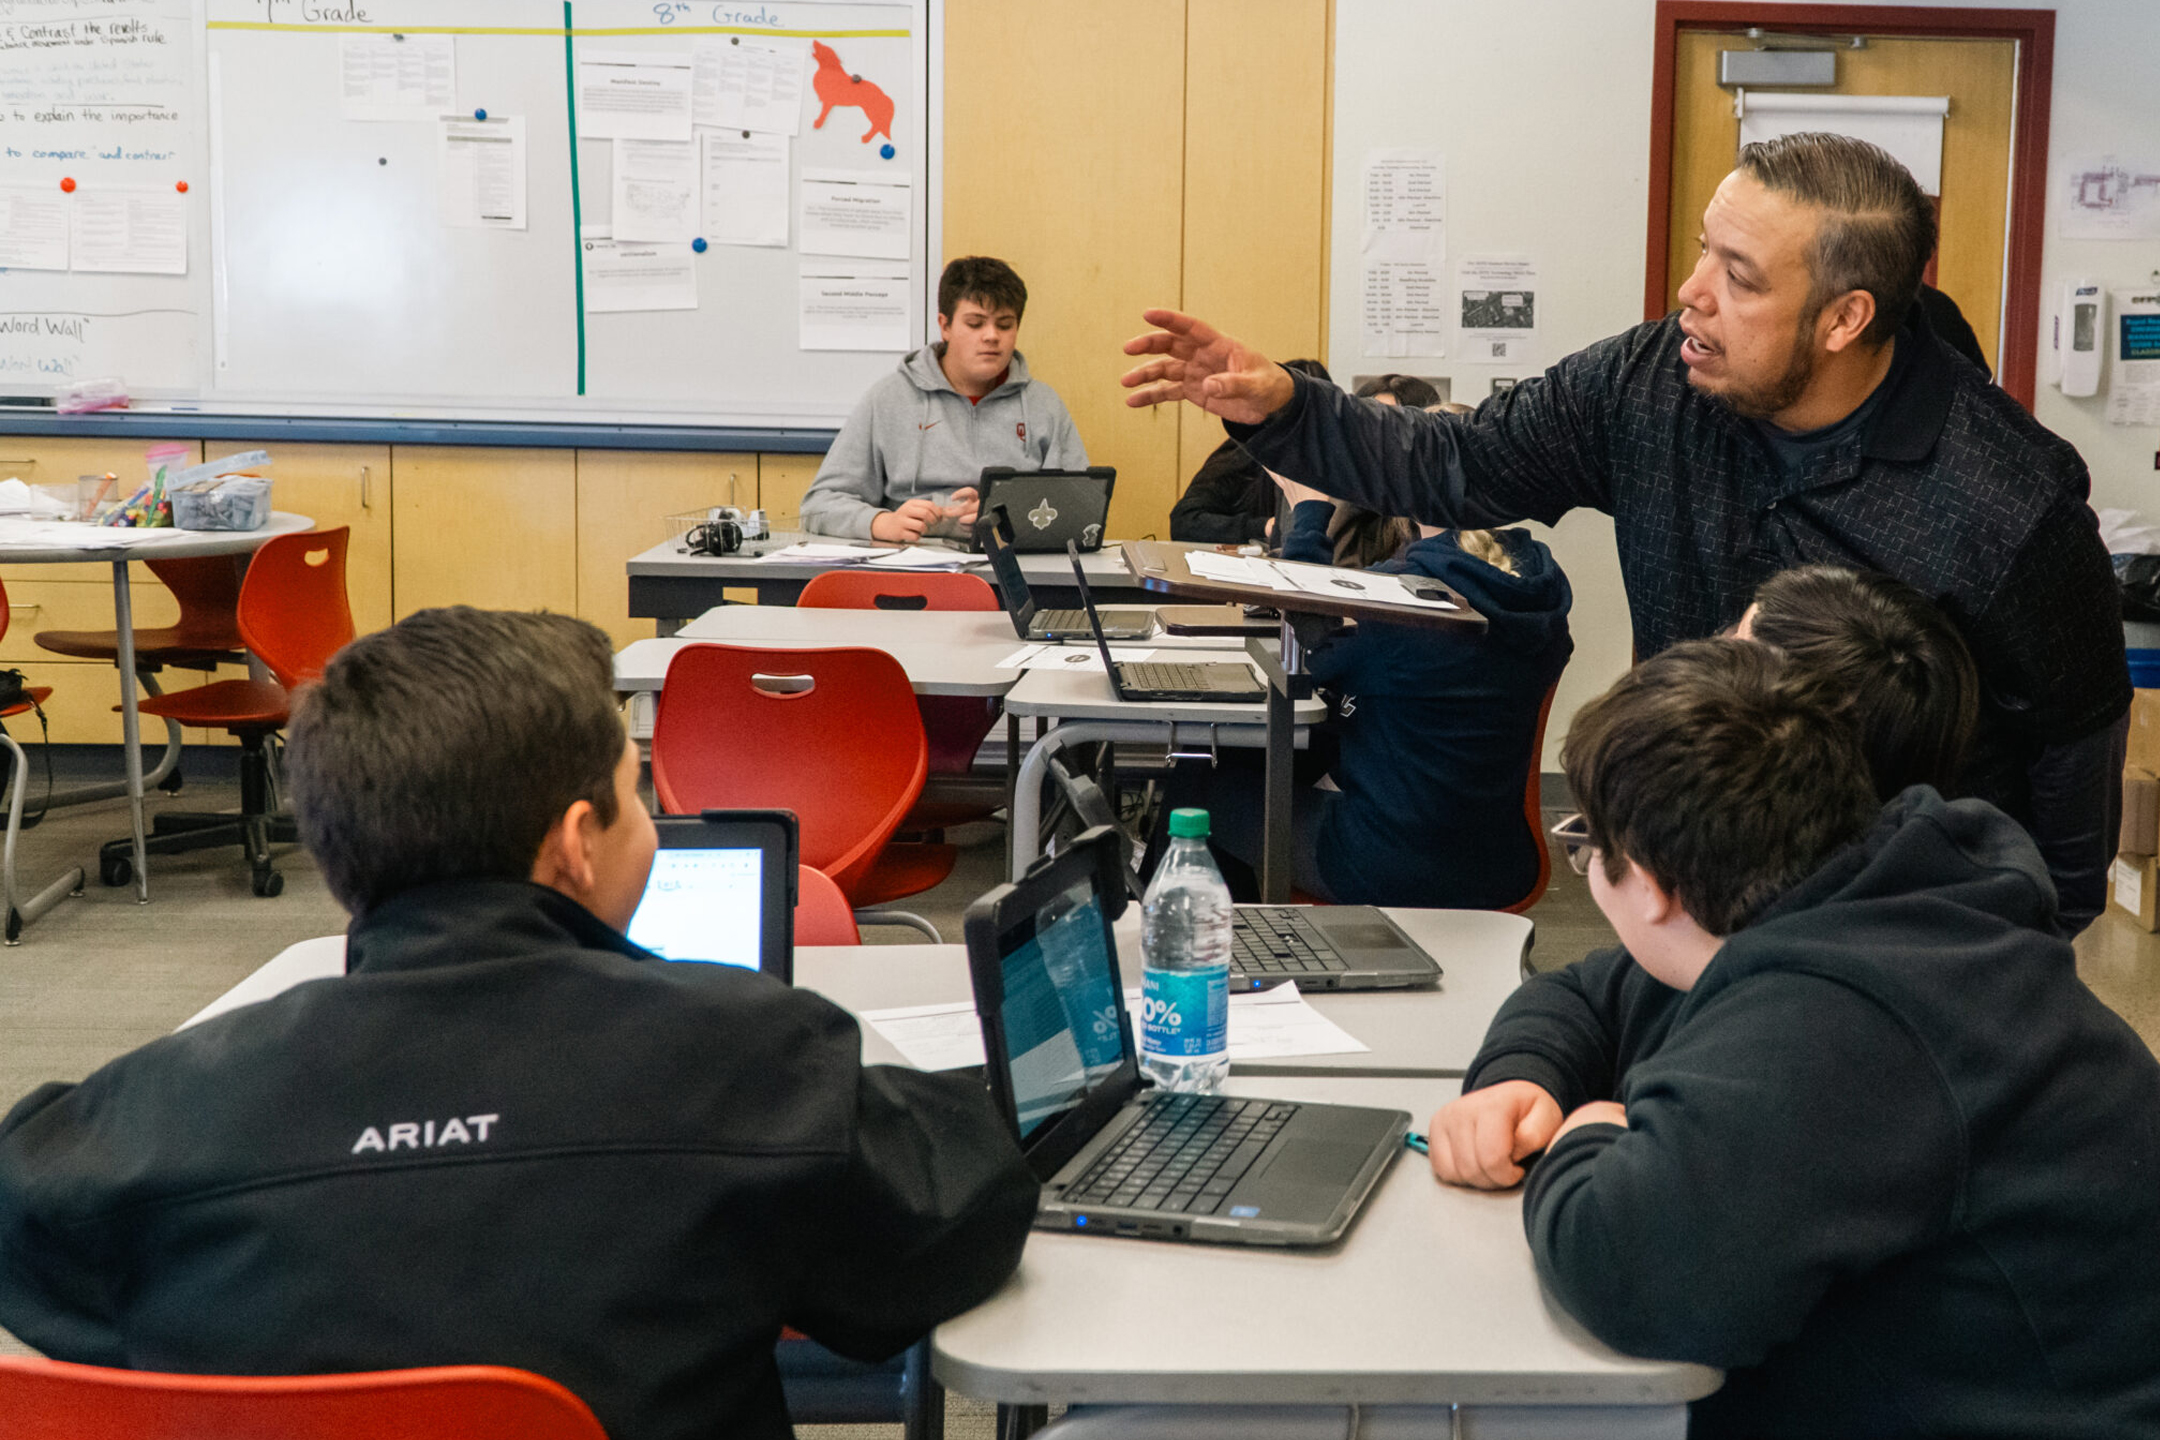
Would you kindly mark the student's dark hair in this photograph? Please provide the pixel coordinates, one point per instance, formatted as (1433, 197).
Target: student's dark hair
(1877, 229)
(446, 746)
(1313, 368)
(1888, 657)
(1363, 538)
(1720, 774)
(1409, 391)
(990, 283)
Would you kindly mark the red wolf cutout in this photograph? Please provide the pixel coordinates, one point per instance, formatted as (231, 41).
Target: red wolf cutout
(838, 90)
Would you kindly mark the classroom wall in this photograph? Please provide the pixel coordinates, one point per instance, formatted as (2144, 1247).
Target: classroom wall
(1543, 110)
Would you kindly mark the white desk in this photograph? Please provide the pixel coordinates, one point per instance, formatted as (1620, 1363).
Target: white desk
(1431, 1299)
(944, 652)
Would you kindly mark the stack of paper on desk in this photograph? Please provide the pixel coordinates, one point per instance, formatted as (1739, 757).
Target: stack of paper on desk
(1264, 1025)
(920, 557)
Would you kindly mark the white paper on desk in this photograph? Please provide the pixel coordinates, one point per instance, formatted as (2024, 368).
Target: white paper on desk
(932, 1037)
(1355, 585)
(135, 232)
(858, 306)
(397, 77)
(33, 229)
(745, 184)
(920, 557)
(638, 275)
(855, 212)
(480, 172)
(633, 95)
(806, 550)
(1021, 656)
(1235, 569)
(1086, 658)
(747, 85)
(655, 190)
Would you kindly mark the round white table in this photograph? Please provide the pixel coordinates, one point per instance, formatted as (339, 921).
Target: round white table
(40, 542)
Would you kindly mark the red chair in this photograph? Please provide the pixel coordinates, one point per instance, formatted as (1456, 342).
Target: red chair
(833, 735)
(206, 636)
(1534, 811)
(954, 724)
(51, 1400)
(822, 913)
(294, 616)
(22, 912)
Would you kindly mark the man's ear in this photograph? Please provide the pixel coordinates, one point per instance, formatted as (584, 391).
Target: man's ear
(1845, 319)
(1651, 902)
(565, 859)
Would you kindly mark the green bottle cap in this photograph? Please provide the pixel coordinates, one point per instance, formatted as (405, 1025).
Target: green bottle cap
(1186, 824)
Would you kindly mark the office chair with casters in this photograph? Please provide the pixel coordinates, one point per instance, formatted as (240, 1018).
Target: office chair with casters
(294, 616)
(954, 724)
(206, 635)
(833, 735)
(52, 1400)
(1533, 808)
(822, 913)
(21, 912)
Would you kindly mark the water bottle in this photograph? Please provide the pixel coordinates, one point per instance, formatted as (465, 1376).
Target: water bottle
(1185, 957)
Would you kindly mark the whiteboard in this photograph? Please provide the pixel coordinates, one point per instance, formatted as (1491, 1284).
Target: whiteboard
(322, 277)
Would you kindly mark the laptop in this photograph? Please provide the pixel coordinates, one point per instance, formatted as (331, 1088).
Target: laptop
(993, 537)
(722, 891)
(1326, 947)
(1050, 508)
(1165, 679)
(1116, 1157)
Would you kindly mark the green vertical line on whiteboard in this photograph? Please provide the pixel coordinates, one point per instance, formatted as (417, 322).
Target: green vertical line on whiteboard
(577, 219)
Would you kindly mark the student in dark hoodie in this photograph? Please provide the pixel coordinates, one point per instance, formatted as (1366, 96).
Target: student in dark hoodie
(1232, 499)
(1431, 733)
(1847, 1124)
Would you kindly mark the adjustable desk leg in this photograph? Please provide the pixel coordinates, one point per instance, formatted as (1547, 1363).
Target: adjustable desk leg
(1283, 682)
(130, 721)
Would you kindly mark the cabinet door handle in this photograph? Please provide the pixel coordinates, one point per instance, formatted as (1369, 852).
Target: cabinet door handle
(367, 487)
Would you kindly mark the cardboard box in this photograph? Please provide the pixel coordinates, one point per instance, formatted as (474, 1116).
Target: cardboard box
(2133, 889)
(2140, 812)
(2144, 749)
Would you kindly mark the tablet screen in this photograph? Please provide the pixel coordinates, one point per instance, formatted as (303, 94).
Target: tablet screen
(703, 904)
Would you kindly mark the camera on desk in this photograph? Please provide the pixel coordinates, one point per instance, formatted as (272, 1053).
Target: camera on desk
(725, 530)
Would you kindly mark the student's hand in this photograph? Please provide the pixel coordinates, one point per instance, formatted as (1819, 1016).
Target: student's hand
(1206, 367)
(905, 525)
(1597, 1112)
(963, 506)
(1292, 491)
(1476, 1140)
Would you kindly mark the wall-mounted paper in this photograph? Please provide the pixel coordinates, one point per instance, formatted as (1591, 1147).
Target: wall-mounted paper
(745, 85)
(1910, 127)
(397, 77)
(2134, 368)
(33, 230)
(1405, 308)
(854, 307)
(655, 190)
(854, 212)
(746, 187)
(1496, 308)
(1406, 205)
(141, 232)
(633, 95)
(625, 275)
(481, 172)
(2111, 197)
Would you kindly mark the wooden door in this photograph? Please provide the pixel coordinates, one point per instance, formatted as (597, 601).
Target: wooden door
(1979, 76)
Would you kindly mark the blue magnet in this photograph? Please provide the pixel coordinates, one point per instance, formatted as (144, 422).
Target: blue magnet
(886, 151)
(698, 245)
(479, 114)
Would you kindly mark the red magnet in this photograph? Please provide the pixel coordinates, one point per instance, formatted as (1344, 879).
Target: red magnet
(68, 184)
(181, 186)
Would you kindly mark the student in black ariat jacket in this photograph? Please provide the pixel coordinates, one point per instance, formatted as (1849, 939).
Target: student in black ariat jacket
(507, 1136)
(1848, 1125)
(1231, 499)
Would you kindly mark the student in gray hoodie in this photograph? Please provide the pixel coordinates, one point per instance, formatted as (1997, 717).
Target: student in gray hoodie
(906, 462)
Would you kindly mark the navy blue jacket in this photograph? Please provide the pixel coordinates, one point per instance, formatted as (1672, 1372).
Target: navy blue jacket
(1889, 1162)
(1435, 730)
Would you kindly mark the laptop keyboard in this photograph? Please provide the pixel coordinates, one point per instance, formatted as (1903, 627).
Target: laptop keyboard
(1275, 942)
(1074, 620)
(1165, 675)
(1184, 1156)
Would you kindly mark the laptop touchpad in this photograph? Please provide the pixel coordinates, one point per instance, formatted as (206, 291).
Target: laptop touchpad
(1367, 936)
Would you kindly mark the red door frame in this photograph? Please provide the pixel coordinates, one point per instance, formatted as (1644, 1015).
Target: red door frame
(2034, 30)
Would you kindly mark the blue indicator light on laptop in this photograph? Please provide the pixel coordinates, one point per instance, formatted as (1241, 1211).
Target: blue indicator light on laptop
(1244, 1212)
(1080, 1221)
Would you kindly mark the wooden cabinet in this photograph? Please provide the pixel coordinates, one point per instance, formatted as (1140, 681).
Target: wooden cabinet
(782, 479)
(493, 528)
(623, 499)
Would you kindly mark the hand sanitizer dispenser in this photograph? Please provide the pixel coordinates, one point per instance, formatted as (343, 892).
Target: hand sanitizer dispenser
(2081, 336)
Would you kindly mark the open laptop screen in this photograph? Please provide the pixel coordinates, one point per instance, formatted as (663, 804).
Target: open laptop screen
(1060, 1009)
(721, 891)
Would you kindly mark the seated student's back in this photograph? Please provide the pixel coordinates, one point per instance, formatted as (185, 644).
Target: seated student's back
(507, 1135)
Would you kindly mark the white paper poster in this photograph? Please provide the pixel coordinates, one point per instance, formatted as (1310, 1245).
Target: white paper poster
(655, 190)
(746, 187)
(633, 95)
(397, 77)
(1406, 205)
(2110, 197)
(854, 307)
(1496, 308)
(33, 229)
(1405, 309)
(481, 172)
(2134, 368)
(747, 85)
(633, 275)
(854, 212)
(141, 232)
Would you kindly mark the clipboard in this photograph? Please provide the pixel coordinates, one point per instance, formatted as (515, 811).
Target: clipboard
(1161, 566)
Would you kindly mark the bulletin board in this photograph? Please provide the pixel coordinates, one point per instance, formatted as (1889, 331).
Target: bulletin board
(604, 211)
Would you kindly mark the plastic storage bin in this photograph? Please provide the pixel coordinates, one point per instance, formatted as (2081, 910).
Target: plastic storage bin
(237, 502)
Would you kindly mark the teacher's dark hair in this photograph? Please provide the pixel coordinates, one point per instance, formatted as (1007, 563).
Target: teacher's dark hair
(445, 747)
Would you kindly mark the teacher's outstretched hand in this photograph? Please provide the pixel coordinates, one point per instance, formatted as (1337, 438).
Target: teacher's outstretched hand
(1199, 363)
